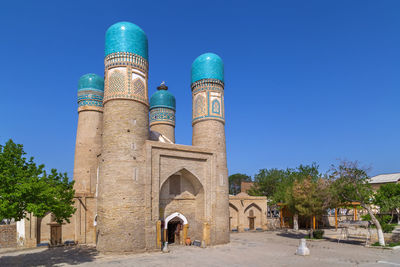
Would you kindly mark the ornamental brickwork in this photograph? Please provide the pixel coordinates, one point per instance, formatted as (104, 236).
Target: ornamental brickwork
(126, 77)
(208, 100)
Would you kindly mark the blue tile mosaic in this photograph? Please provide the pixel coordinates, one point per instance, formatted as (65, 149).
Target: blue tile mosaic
(207, 66)
(126, 37)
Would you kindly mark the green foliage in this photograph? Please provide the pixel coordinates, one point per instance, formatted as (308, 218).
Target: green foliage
(383, 220)
(350, 183)
(318, 234)
(392, 244)
(270, 182)
(388, 228)
(366, 217)
(309, 198)
(388, 198)
(27, 188)
(235, 181)
(276, 184)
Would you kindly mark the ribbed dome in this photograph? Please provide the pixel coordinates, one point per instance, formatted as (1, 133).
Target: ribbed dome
(162, 99)
(126, 37)
(207, 66)
(91, 81)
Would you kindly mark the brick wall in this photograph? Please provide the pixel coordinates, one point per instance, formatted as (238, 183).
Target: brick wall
(8, 236)
(245, 186)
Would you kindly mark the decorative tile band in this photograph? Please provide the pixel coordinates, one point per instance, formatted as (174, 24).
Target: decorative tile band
(208, 82)
(90, 99)
(126, 77)
(126, 59)
(208, 100)
(162, 116)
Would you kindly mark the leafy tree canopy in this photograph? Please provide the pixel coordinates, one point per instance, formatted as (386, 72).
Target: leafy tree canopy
(388, 197)
(26, 187)
(349, 183)
(235, 181)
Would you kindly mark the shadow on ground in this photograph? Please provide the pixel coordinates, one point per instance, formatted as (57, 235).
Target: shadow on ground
(51, 257)
(351, 241)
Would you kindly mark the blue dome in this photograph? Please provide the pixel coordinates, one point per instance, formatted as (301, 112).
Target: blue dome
(91, 81)
(162, 99)
(126, 37)
(207, 66)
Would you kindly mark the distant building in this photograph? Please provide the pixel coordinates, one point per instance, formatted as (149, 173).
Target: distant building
(245, 186)
(381, 179)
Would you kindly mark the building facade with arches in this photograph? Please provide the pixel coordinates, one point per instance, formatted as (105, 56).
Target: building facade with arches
(136, 188)
(247, 213)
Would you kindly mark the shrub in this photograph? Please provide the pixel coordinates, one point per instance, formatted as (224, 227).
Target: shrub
(388, 228)
(318, 234)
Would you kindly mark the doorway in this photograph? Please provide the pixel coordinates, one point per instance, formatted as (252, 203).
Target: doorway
(251, 220)
(55, 235)
(174, 231)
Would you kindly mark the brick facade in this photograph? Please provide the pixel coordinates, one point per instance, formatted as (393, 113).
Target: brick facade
(8, 236)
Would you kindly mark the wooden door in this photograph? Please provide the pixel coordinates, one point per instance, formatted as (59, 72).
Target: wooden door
(251, 223)
(55, 238)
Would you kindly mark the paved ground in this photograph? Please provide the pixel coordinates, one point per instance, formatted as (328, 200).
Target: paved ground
(245, 249)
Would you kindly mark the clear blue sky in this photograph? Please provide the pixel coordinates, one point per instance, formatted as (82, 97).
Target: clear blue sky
(305, 80)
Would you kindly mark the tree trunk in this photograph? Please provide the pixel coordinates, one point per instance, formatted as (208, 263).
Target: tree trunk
(398, 216)
(296, 221)
(381, 238)
(311, 228)
(391, 219)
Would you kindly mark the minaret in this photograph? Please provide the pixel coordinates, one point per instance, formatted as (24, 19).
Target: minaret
(208, 120)
(121, 198)
(162, 112)
(88, 135)
(87, 149)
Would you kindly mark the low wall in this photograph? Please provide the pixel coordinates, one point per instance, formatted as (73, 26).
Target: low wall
(8, 236)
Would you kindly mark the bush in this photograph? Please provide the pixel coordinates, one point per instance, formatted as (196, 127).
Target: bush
(388, 228)
(383, 220)
(318, 234)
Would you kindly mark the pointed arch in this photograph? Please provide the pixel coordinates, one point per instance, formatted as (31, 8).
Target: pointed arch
(174, 215)
(252, 205)
(233, 207)
(182, 170)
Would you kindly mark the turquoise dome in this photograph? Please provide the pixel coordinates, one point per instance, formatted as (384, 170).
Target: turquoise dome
(207, 66)
(162, 99)
(91, 81)
(126, 37)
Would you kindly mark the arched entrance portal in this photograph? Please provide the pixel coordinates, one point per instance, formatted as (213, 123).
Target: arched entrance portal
(182, 193)
(174, 227)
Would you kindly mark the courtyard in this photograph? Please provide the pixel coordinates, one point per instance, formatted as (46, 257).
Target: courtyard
(245, 249)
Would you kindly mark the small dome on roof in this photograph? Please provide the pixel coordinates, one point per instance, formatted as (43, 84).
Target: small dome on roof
(207, 66)
(91, 81)
(126, 37)
(162, 98)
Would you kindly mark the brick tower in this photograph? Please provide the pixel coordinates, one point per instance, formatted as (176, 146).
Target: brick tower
(162, 112)
(208, 120)
(87, 148)
(121, 202)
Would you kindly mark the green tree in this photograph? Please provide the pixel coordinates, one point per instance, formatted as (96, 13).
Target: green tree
(309, 198)
(235, 181)
(350, 184)
(277, 185)
(388, 199)
(267, 182)
(26, 188)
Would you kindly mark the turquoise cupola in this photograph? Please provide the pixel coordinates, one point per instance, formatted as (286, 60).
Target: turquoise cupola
(162, 98)
(91, 81)
(126, 37)
(207, 66)
(90, 92)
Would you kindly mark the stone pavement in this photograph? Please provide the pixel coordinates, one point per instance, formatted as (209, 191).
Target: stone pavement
(245, 249)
